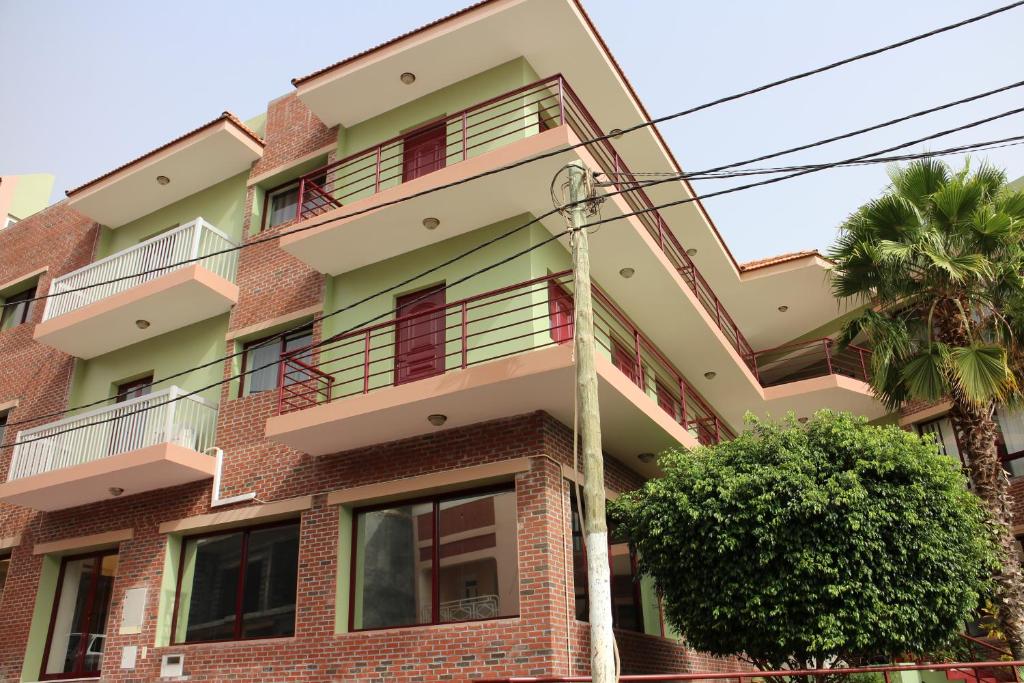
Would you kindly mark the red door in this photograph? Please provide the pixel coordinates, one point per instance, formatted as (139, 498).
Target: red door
(128, 430)
(560, 313)
(668, 402)
(419, 337)
(424, 151)
(626, 362)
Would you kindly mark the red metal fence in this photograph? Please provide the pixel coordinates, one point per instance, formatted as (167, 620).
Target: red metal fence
(973, 672)
(515, 319)
(813, 358)
(485, 126)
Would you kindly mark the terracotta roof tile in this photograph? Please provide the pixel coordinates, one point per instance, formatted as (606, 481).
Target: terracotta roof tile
(781, 258)
(225, 116)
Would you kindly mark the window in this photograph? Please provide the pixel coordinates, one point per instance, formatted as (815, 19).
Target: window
(5, 568)
(560, 313)
(1011, 439)
(627, 613)
(17, 308)
(437, 560)
(236, 585)
(942, 430)
(78, 625)
(282, 202)
(262, 357)
(3, 424)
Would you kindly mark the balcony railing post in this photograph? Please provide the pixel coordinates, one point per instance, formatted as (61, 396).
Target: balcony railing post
(465, 142)
(863, 365)
(561, 101)
(280, 385)
(366, 363)
(718, 312)
(682, 402)
(661, 231)
(299, 202)
(828, 355)
(640, 380)
(376, 171)
(170, 404)
(197, 234)
(465, 336)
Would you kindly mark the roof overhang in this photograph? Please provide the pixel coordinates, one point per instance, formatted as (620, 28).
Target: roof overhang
(556, 36)
(212, 153)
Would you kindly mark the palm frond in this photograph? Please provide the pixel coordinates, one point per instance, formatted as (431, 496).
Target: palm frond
(981, 373)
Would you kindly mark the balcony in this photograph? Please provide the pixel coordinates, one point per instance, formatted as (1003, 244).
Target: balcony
(192, 280)
(143, 444)
(381, 383)
(809, 375)
(542, 117)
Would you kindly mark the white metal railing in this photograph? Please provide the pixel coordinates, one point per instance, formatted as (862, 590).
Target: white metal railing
(144, 421)
(466, 609)
(161, 254)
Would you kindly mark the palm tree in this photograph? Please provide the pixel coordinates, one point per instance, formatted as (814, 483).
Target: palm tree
(940, 254)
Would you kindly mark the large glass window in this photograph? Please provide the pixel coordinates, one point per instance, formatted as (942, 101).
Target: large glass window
(261, 358)
(436, 561)
(237, 585)
(627, 613)
(17, 308)
(78, 625)
(942, 431)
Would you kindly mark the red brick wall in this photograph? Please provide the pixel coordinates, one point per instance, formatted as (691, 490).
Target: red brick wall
(292, 132)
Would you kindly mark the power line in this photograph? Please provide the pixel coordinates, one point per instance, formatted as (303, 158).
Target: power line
(532, 248)
(812, 169)
(631, 187)
(538, 157)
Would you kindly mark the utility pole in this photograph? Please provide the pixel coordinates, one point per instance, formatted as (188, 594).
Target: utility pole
(595, 527)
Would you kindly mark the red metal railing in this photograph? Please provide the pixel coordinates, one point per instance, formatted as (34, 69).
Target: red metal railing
(981, 671)
(814, 358)
(501, 120)
(516, 319)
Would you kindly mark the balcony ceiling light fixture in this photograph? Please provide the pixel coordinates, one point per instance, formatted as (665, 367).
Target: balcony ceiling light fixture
(437, 419)
(627, 272)
(710, 374)
(408, 78)
(431, 223)
(615, 133)
(783, 308)
(142, 324)
(802, 420)
(691, 252)
(646, 457)
(162, 180)
(115, 491)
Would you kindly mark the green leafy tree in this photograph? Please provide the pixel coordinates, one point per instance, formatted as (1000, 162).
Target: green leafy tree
(807, 545)
(940, 256)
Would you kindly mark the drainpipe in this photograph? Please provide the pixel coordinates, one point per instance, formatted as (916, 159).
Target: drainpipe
(215, 499)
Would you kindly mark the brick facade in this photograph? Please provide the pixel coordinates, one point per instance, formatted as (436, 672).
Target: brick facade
(274, 284)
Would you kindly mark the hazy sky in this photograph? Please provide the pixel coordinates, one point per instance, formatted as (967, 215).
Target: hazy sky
(86, 86)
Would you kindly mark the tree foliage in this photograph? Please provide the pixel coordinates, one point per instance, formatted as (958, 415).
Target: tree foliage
(801, 545)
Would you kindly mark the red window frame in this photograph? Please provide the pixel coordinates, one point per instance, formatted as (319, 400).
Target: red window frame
(280, 189)
(240, 585)
(17, 307)
(436, 501)
(579, 558)
(626, 361)
(133, 389)
(283, 341)
(83, 643)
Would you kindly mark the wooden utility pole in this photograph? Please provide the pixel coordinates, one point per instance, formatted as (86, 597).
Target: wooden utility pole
(595, 527)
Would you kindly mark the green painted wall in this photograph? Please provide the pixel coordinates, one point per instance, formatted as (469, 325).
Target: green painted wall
(498, 126)
(222, 205)
(96, 378)
(41, 618)
(168, 588)
(529, 324)
(31, 194)
(342, 592)
(258, 124)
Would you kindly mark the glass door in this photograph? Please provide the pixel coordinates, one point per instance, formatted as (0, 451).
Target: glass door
(78, 626)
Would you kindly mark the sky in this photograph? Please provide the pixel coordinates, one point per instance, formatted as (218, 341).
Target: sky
(86, 86)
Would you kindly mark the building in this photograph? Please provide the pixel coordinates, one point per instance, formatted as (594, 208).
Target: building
(378, 490)
(23, 195)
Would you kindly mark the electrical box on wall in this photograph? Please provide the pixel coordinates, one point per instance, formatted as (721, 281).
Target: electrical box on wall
(172, 666)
